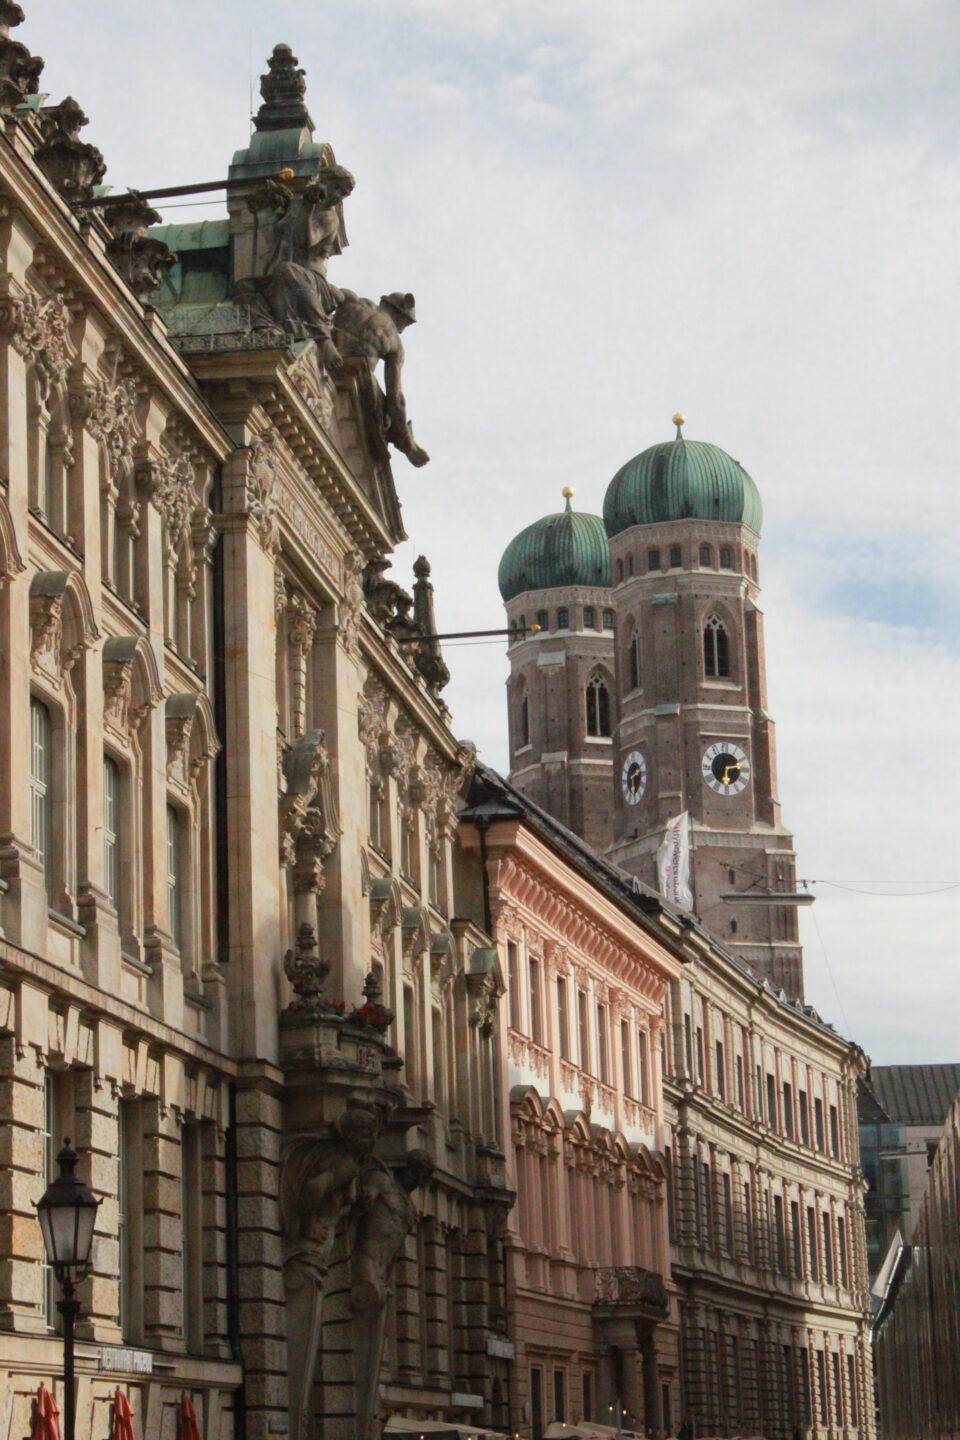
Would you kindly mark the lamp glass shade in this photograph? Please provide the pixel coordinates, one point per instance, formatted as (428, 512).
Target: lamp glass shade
(67, 1213)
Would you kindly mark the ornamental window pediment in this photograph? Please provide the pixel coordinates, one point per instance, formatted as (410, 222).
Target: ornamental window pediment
(191, 739)
(62, 624)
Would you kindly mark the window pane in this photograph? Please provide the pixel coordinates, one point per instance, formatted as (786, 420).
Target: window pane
(40, 767)
(111, 789)
(174, 887)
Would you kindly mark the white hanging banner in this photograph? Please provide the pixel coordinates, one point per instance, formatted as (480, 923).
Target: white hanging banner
(673, 862)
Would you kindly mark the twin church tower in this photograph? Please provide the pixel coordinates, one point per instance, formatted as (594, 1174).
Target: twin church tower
(642, 695)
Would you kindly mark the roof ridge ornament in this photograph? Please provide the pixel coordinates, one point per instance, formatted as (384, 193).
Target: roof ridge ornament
(283, 89)
(19, 70)
(679, 420)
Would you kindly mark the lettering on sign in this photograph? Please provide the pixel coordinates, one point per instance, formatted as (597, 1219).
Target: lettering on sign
(131, 1362)
(302, 526)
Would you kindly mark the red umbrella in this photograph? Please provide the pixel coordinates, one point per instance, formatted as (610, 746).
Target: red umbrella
(47, 1416)
(122, 1418)
(189, 1425)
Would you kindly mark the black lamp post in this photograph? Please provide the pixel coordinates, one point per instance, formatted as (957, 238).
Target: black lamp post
(67, 1212)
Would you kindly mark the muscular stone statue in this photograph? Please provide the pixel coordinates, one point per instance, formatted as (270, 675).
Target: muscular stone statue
(306, 229)
(318, 1184)
(387, 1216)
(373, 332)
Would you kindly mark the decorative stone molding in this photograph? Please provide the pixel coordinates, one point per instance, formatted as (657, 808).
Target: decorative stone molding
(261, 487)
(62, 625)
(170, 484)
(306, 971)
(11, 561)
(309, 824)
(316, 387)
(351, 606)
(109, 413)
(142, 260)
(191, 736)
(40, 332)
(69, 163)
(372, 721)
(126, 703)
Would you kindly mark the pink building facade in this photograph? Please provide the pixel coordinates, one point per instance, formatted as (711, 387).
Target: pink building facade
(593, 1316)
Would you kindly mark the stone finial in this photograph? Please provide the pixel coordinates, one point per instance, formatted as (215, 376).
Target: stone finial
(73, 166)
(141, 258)
(305, 970)
(283, 88)
(429, 659)
(19, 70)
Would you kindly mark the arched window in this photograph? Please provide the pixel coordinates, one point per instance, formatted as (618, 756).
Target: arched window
(633, 663)
(522, 628)
(543, 620)
(676, 557)
(619, 570)
(705, 557)
(608, 619)
(753, 567)
(598, 706)
(716, 648)
(653, 559)
(629, 564)
(589, 618)
(524, 721)
(726, 558)
(563, 619)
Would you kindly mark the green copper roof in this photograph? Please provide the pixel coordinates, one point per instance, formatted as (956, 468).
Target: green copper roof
(566, 549)
(680, 480)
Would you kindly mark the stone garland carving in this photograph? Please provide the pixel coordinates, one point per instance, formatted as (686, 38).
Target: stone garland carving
(109, 413)
(262, 483)
(19, 70)
(40, 333)
(351, 605)
(171, 485)
(372, 722)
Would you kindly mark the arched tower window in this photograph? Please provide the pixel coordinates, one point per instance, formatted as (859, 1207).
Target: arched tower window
(716, 648)
(619, 570)
(563, 619)
(726, 558)
(598, 706)
(706, 559)
(676, 557)
(633, 663)
(653, 559)
(524, 721)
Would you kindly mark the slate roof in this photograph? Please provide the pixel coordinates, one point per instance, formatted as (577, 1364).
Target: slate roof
(916, 1094)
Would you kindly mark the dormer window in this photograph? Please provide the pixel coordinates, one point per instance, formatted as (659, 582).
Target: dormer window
(716, 649)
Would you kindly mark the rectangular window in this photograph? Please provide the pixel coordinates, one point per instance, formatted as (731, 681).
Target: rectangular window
(625, 1057)
(688, 1044)
(131, 1222)
(797, 1239)
(111, 827)
(827, 1247)
(536, 1401)
(740, 1095)
(436, 1035)
(587, 1393)
(602, 1044)
(818, 1122)
(563, 1019)
(707, 1206)
(513, 984)
(759, 1093)
(58, 1124)
(174, 877)
(644, 1067)
(837, 1390)
(191, 1187)
(805, 1375)
(852, 1392)
(842, 1250)
(589, 618)
(721, 1072)
(771, 1102)
(814, 1267)
(697, 1202)
(748, 1218)
(536, 1017)
(40, 789)
(834, 1133)
(700, 1054)
(781, 1237)
(804, 1117)
(409, 1038)
(560, 1395)
(788, 1109)
(727, 1213)
(671, 1213)
(584, 1030)
(822, 1385)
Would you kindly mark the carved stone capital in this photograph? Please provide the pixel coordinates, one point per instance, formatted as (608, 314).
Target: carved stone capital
(40, 331)
(261, 485)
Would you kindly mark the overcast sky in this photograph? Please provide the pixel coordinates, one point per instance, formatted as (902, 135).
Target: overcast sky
(608, 212)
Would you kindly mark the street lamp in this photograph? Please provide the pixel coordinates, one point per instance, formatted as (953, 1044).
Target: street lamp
(67, 1212)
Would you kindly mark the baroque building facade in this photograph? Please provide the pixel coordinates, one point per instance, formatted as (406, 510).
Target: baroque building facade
(228, 811)
(661, 673)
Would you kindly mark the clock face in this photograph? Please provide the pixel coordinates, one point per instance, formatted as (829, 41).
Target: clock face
(726, 768)
(633, 777)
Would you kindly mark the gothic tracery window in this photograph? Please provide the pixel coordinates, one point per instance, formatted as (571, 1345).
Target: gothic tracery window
(716, 648)
(598, 706)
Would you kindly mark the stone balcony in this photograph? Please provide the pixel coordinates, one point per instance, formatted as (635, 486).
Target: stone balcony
(633, 1287)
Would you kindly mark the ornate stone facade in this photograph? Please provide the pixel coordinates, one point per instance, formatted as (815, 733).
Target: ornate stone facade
(231, 963)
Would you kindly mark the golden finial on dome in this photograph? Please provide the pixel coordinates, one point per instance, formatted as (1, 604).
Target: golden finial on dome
(679, 420)
(567, 493)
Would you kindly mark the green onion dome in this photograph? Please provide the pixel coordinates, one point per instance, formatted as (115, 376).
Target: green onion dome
(566, 549)
(681, 480)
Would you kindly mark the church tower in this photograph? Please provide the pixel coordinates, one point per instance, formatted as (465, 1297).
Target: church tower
(693, 732)
(561, 697)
